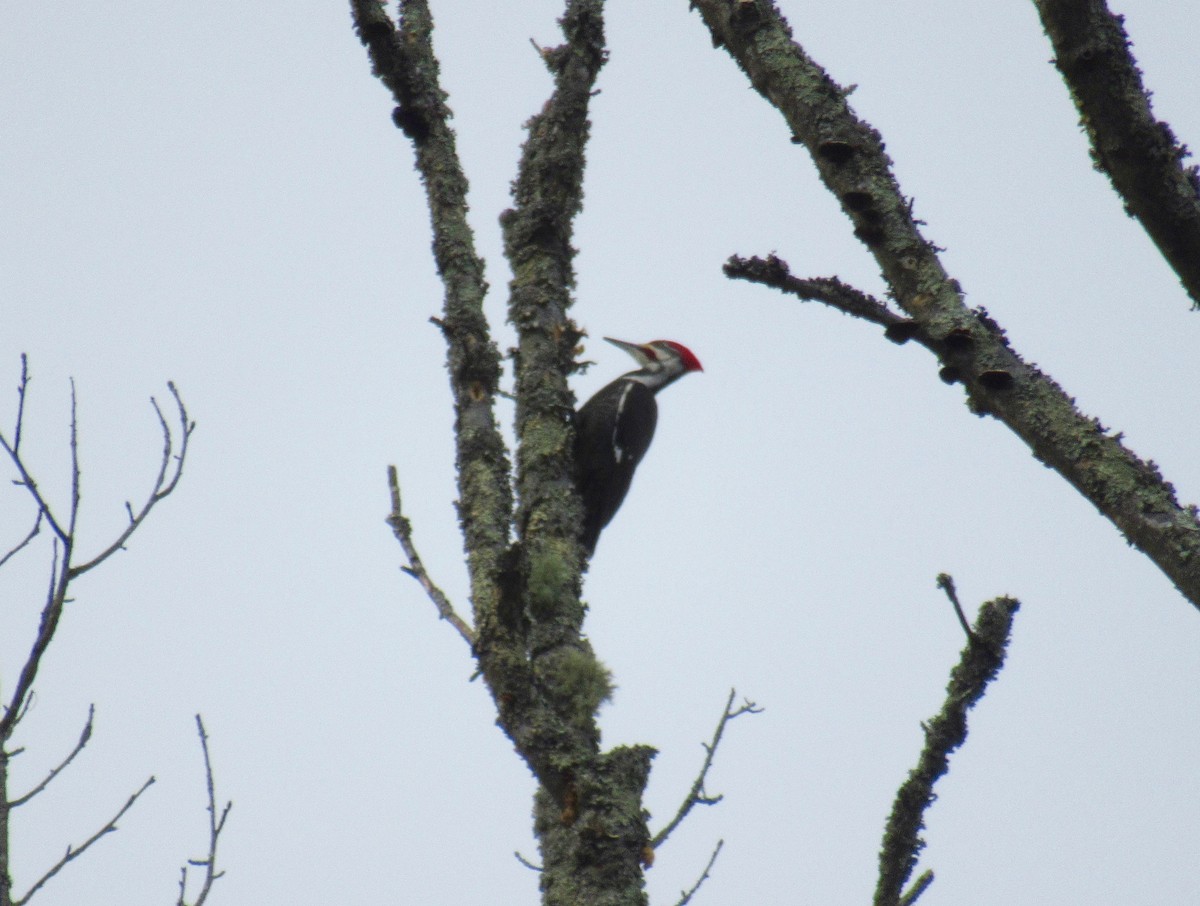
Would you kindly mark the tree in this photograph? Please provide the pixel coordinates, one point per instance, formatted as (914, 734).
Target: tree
(541, 672)
(67, 565)
(243, 227)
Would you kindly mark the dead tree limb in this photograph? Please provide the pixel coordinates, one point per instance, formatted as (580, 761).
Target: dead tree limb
(970, 346)
(1139, 153)
(979, 664)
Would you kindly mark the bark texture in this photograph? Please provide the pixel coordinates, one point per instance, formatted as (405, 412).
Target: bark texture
(542, 673)
(1138, 153)
(971, 347)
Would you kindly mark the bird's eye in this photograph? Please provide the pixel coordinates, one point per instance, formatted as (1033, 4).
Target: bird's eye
(650, 353)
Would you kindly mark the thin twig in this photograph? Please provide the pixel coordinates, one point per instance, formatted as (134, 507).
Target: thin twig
(22, 387)
(686, 895)
(215, 826)
(773, 271)
(520, 858)
(920, 885)
(945, 582)
(13, 450)
(697, 796)
(73, 852)
(75, 476)
(402, 529)
(978, 665)
(83, 741)
(33, 533)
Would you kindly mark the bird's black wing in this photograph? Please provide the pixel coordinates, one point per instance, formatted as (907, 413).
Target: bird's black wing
(613, 430)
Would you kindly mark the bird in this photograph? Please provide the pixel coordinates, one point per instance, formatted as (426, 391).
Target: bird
(614, 428)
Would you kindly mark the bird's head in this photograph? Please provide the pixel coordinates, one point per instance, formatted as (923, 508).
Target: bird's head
(661, 361)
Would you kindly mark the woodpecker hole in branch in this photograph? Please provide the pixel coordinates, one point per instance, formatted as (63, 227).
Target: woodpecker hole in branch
(835, 151)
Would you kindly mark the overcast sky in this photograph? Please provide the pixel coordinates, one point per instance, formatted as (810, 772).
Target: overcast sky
(216, 195)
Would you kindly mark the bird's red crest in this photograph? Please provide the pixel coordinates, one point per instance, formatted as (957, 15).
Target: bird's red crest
(690, 362)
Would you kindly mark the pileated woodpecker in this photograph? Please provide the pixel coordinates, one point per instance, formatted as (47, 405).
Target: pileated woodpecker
(614, 428)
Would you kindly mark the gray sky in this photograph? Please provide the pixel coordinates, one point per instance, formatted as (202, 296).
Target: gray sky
(218, 197)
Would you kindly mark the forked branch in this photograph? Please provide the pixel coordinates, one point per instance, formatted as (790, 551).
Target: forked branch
(971, 347)
(697, 795)
(170, 470)
(64, 570)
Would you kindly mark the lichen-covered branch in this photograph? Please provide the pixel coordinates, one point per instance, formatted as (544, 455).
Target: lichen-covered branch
(589, 819)
(773, 271)
(593, 837)
(402, 57)
(547, 194)
(980, 663)
(972, 349)
(1139, 153)
(542, 673)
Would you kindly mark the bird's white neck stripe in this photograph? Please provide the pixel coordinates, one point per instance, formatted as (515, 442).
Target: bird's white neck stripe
(618, 450)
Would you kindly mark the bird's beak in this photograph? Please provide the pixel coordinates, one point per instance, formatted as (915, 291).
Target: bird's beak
(634, 349)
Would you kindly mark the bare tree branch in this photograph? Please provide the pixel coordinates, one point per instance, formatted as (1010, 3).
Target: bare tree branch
(215, 826)
(169, 472)
(520, 858)
(971, 347)
(945, 582)
(14, 452)
(685, 896)
(74, 852)
(33, 533)
(1139, 153)
(63, 571)
(75, 477)
(402, 529)
(84, 736)
(697, 796)
(56, 596)
(22, 389)
(979, 664)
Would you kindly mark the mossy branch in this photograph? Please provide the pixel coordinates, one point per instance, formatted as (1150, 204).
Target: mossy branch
(979, 664)
(402, 57)
(971, 347)
(1139, 154)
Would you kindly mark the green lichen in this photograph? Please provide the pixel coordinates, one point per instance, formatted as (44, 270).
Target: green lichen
(580, 681)
(550, 583)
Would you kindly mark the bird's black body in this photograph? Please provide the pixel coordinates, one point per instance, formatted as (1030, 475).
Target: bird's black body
(608, 449)
(614, 428)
